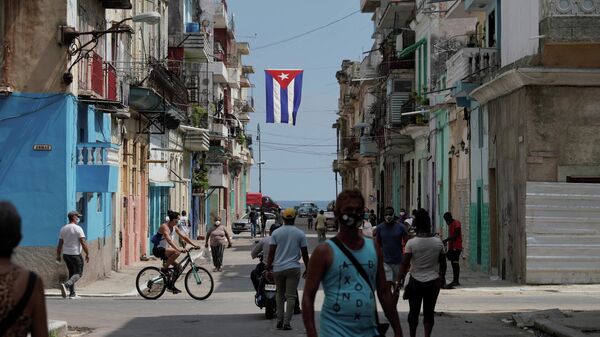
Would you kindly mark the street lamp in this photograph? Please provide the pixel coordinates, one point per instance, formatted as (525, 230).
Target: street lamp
(260, 164)
(69, 36)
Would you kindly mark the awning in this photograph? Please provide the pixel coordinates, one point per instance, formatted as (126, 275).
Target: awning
(411, 49)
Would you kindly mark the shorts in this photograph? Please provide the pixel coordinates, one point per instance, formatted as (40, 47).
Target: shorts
(159, 252)
(453, 255)
(392, 271)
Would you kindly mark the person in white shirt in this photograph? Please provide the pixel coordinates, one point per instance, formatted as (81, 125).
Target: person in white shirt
(184, 227)
(70, 244)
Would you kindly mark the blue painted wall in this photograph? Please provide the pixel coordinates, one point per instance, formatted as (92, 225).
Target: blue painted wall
(43, 184)
(40, 183)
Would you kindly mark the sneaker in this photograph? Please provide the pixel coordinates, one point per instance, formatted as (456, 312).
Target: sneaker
(279, 325)
(287, 327)
(175, 290)
(63, 290)
(454, 284)
(74, 297)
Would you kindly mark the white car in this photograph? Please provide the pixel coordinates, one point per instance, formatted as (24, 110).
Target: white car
(243, 224)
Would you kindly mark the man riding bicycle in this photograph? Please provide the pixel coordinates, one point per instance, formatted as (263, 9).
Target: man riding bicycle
(165, 247)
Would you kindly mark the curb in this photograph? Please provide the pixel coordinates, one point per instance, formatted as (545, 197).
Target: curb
(132, 293)
(57, 328)
(556, 330)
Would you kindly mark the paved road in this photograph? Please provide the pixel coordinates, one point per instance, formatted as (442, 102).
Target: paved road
(231, 311)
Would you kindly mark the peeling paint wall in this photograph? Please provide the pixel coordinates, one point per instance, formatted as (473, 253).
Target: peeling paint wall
(34, 23)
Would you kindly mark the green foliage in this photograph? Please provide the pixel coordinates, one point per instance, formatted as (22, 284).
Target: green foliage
(241, 138)
(199, 117)
(200, 180)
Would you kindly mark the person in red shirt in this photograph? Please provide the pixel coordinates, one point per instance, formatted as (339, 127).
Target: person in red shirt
(454, 241)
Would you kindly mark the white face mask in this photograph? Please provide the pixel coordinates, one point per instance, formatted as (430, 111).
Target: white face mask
(217, 223)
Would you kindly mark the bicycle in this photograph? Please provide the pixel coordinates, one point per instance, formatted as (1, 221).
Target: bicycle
(151, 282)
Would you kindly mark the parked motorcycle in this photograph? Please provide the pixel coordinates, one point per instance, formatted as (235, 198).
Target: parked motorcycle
(265, 296)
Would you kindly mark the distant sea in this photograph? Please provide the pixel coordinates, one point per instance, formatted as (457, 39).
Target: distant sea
(291, 203)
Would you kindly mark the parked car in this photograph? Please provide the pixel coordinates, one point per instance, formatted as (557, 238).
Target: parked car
(330, 222)
(243, 224)
(306, 209)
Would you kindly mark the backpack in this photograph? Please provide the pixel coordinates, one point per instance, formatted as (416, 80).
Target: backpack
(156, 239)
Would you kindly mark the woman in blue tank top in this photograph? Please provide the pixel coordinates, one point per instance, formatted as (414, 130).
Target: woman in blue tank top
(349, 308)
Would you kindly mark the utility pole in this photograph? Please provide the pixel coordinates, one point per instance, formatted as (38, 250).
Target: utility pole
(259, 160)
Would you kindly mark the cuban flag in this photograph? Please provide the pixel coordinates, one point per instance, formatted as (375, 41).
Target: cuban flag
(284, 90)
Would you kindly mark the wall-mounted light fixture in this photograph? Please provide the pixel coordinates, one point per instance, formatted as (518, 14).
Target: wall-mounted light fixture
(452, 150)
(69, 36)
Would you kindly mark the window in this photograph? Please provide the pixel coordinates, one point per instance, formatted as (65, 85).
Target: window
(80, 205)
(99, 202)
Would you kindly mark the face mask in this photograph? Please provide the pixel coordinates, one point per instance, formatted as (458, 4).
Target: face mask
(77, 220)
(389, 218)
(402, 213)
(217, 223)
(351, 220)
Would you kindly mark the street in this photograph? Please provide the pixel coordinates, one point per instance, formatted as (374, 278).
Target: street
(476, 309)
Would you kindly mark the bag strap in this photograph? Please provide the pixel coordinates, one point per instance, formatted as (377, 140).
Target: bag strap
(359, 268)
(17, 310)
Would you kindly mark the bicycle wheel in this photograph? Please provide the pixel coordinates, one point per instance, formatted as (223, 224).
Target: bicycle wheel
(150, 283)
(199, 283)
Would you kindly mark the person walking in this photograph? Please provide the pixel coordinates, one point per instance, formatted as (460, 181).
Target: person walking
(22, 301)
(321, 226)
(454, 241)
(310, 220)
(288, 243)
(350, 268)
(219, 237)
(253, 221)
(372, 217)
(263, 223)
(425, 256)
(390, 236)
(184, 226)
(70, 244)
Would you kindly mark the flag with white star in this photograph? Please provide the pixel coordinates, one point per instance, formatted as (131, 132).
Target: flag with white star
(284, 91)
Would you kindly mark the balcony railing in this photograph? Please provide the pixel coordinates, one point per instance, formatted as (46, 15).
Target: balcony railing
(97, 154)
(471, 65)
(98, 78)
(368, 146)
(369, 6)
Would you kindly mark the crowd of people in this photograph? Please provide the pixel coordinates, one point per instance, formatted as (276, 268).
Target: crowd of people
(364, 262)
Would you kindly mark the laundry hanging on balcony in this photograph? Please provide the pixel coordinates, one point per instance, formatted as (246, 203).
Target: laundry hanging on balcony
(284, 91)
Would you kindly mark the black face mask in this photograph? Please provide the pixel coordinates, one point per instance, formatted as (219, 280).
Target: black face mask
(351, 220)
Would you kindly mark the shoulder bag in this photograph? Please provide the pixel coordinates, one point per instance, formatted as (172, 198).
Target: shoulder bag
(381, 327)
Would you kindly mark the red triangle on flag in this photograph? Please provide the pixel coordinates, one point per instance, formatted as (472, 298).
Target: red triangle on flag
(283, 77)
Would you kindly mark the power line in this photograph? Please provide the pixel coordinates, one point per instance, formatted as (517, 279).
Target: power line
(305, 33)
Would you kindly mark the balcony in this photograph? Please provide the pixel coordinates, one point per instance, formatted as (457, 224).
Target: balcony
(221, 18)
(233, 78)
(97, 167)
(195, 140)
(369, 6)
(197, 46)
(217, 177)
(398, 144)
(219, 130)
(466, 69)
(394, 13)
(98, 79)
(219, 71)
(243, 48)
(368, 146)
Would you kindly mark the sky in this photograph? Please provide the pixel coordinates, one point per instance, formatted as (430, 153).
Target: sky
(298, 159)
